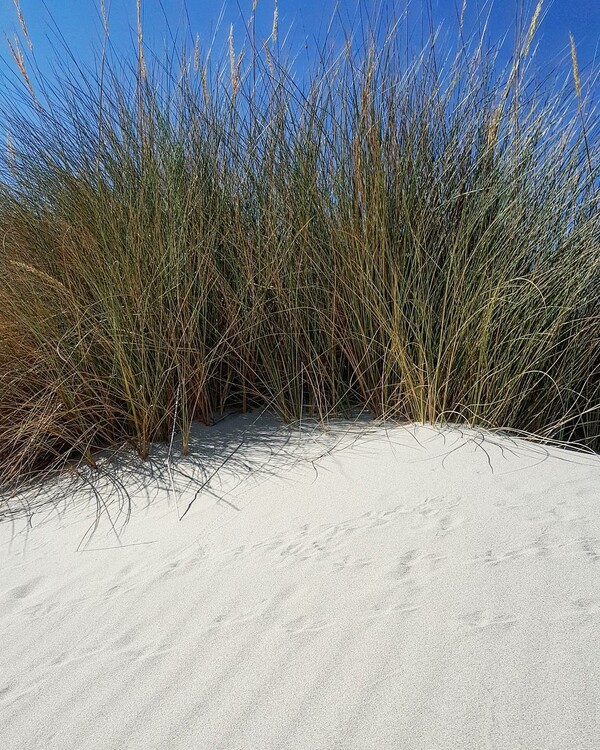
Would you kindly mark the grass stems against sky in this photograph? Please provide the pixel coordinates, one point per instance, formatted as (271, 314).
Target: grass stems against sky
(303, 22)
(403, 222)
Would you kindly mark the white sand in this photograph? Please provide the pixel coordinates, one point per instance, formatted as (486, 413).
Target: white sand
(411, 589)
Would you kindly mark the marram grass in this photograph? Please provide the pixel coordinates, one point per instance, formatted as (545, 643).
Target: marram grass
(417, 237)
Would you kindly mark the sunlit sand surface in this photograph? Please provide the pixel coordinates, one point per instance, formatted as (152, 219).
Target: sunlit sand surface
(363, 588)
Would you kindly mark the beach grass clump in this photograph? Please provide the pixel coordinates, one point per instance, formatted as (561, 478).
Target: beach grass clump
(417, 236)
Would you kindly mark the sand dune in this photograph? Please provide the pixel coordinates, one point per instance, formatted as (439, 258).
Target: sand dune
(365, 588)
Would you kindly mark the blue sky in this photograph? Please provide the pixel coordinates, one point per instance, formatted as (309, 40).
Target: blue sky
(80, 24)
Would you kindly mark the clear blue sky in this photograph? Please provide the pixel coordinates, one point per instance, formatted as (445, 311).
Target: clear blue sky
(79, 22)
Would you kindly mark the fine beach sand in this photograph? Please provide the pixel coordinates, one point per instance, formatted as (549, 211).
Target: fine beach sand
(362, 588)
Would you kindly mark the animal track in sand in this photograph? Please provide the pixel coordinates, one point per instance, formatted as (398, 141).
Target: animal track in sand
(540, 547)
(402, 608)
(307, 542)
(303, 624)
(435, 560)
(591, 547)
(75, 655)
(17, 597)
(483, 619)
(448, 523)
(13, 693)
(182, 565)
(403, 566)
(348, 562)
(233, 617)
(439, 513)
(585, 609)
(45, 609)
(116, 590)
(492, 560)
(25, 589)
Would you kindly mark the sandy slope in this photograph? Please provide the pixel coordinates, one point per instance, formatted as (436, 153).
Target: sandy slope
(410, 589)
